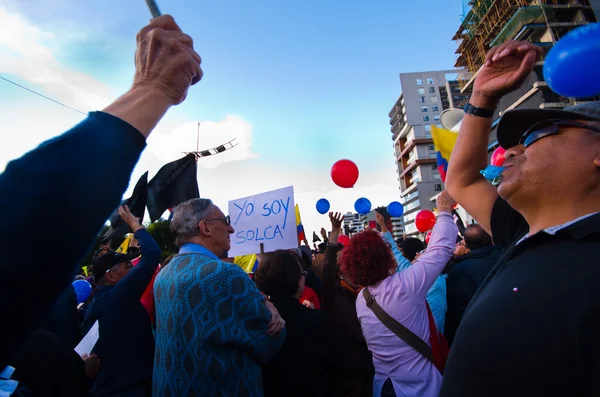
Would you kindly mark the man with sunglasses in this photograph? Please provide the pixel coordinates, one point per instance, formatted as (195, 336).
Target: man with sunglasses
(126, 344)
(533, 327)
(214, 328)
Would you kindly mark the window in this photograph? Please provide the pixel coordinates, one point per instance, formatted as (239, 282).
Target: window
(419, 81)
(435, 108)
(433, 167)
(433, 98)
(422, 99)
(429, 81)
(437, 187)
(427, 127)
(425, 118)
(432, 90)
(431, 147)
(421, 91)
(436, 176)
(439, 126)
(436, 117)
(424, 109)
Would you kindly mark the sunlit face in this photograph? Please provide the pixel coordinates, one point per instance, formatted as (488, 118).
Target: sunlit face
(220, 232)
(551, 166)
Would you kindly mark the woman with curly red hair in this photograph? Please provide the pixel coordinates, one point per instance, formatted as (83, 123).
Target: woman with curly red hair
(399, 369)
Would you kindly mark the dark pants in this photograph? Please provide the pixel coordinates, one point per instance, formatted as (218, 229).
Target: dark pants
(388, 389)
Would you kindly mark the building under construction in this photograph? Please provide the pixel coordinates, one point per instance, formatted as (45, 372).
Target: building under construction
(487, 23)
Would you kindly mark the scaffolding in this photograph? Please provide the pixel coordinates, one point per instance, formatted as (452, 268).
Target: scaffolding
(491, 22)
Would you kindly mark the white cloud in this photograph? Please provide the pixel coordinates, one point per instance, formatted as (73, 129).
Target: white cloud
(210, 134)
(26, 51)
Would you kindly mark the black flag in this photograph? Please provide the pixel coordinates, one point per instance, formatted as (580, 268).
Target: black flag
(137, 206)
(174, 184)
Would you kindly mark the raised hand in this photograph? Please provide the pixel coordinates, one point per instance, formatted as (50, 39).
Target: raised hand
(445, 202)
(381, 222)
(336, 219)
(506, 67)
(131, 220)
(165, 60)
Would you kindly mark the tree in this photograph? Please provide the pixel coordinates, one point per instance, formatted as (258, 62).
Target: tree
(161, 233)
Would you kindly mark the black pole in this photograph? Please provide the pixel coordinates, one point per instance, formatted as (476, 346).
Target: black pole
(153, 8)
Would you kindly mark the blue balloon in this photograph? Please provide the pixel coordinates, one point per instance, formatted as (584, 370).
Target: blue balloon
(571, 66)
(362, 206)
(395, 209)
(83, 289)
(323, 206)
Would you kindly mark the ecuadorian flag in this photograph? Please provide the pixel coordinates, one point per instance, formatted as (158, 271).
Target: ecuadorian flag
(301, 235)
(444, 142)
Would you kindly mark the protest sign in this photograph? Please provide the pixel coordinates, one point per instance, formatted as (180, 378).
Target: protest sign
(268, 218)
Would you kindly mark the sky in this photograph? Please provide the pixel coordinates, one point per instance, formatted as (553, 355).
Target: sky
(298, 84)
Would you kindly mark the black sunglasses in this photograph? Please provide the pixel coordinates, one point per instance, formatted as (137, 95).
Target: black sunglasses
(226, 220)
(550, 127)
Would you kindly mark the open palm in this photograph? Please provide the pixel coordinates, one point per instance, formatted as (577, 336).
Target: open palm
(506, 68)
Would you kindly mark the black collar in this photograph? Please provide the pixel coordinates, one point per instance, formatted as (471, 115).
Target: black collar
(587, 227)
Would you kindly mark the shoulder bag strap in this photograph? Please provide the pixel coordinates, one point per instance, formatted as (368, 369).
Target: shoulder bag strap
(400, 330)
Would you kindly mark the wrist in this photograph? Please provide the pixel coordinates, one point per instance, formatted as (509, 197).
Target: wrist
(136, 227)
(483, 100)
(142, 107)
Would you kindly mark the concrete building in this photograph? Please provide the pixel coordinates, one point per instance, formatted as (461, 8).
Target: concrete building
(543, 22)
(358, 223)
(424, 96)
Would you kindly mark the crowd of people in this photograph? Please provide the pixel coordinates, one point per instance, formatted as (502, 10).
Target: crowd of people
(510, 307)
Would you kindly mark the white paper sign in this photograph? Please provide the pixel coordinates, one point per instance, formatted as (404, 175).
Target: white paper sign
(268, 218)
(89, 340)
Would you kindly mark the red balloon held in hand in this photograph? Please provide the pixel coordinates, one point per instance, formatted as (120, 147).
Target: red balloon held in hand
(425, 220)
(344, 173)
(498, 157)
(343, 239)
(427, 238)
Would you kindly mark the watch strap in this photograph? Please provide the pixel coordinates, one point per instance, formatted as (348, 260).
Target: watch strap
(479, 112)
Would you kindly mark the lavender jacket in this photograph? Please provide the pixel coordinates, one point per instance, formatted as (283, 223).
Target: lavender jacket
(402, 296)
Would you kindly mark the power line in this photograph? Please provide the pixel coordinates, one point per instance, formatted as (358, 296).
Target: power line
(43, 96)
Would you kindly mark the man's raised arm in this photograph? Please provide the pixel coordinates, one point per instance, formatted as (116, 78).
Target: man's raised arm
(505, 68)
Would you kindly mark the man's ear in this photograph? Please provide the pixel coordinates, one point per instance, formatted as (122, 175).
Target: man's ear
(597, 161)
(204, 228)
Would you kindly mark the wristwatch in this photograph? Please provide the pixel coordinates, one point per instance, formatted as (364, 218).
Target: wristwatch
(479, 112)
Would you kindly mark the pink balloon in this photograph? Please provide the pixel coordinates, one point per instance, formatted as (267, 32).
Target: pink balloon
(344, 173)
(498, 157)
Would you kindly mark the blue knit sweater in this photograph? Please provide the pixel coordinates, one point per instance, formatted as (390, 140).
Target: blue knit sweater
(211, 336)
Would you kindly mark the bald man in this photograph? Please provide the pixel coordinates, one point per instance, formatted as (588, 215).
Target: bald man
(467, 274)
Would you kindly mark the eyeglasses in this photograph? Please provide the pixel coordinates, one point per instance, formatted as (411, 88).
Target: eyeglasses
(226, 220)
(550, 127)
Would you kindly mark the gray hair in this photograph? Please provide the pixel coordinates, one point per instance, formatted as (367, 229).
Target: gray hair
(186, 217)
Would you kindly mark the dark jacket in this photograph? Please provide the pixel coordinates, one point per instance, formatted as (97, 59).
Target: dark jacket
(465, 276)
(126, 344)
(353, 368)
(73, 183)
(63, 319)
(301, 367)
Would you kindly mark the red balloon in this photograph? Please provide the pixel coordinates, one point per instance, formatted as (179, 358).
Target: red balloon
(425, 220)
(427, 238)
(344, 173)
(498, 157)
(343, 239)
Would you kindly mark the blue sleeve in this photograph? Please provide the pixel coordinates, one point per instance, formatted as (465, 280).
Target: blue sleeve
(54, 201)
(132, 287)
(402, 262)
